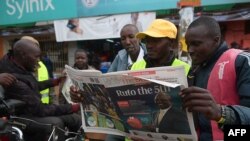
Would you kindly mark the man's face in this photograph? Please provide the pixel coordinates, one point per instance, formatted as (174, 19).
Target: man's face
(163, 101)
(158, 48)
(81, 60)
(200, 45)
(31, 57)
(128, 40)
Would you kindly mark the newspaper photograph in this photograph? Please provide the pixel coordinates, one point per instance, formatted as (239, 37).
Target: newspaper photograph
(68, 82)
(135, 103)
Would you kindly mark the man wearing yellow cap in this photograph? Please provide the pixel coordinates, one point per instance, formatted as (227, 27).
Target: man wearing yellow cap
(160, 39)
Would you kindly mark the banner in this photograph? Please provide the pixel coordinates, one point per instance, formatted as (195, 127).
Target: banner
(184, 3)
(101, 27)
(186, 17)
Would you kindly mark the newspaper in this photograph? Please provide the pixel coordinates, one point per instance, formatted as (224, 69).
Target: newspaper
(144, 103)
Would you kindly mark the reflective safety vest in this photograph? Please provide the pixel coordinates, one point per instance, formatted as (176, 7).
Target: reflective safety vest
(139, 65)
(42, 74)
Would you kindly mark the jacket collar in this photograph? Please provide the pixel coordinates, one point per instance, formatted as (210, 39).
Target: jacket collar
(9, 65)
(124, 55)
(192, 73)
(220, 50)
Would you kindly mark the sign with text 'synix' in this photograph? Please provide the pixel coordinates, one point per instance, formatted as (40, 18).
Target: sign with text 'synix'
(27, 11)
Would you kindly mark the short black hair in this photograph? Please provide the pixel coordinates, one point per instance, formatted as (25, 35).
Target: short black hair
(130, 25)
(81, 50)
(210, 23)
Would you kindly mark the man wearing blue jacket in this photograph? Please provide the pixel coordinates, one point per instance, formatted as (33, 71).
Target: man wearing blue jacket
(132, 50)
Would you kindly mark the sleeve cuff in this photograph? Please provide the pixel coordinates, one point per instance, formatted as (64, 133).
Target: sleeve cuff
(75, 107)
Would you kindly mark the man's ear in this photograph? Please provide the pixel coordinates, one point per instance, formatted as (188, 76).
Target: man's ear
(23, 55)
(173, 45)
(217, 40)
(140, 41)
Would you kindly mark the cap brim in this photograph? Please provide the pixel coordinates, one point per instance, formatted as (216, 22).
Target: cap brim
(142, 35)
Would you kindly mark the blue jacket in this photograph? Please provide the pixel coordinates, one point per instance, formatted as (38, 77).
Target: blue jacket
(243, 112)
(120, 62)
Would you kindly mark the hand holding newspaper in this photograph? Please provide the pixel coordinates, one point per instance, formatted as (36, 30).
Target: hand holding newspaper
(143, 104)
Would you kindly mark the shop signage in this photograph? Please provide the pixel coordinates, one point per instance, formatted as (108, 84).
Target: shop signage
(189, 3)
(27, 11)
(218, 2)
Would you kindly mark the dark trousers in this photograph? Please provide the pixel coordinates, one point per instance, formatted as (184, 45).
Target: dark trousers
(38, 132)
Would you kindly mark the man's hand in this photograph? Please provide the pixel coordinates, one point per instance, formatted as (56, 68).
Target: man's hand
(7, 79)
(151, 128)
(75, 95)
(75, 107)
(59, 80)
(200, 100)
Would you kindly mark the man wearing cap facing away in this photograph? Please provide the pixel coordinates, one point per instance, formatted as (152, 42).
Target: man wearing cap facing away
(160, 39)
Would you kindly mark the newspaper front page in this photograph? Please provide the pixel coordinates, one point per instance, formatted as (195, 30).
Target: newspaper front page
(144, 103)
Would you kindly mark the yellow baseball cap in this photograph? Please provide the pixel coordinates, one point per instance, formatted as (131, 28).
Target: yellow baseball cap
(159, 28)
